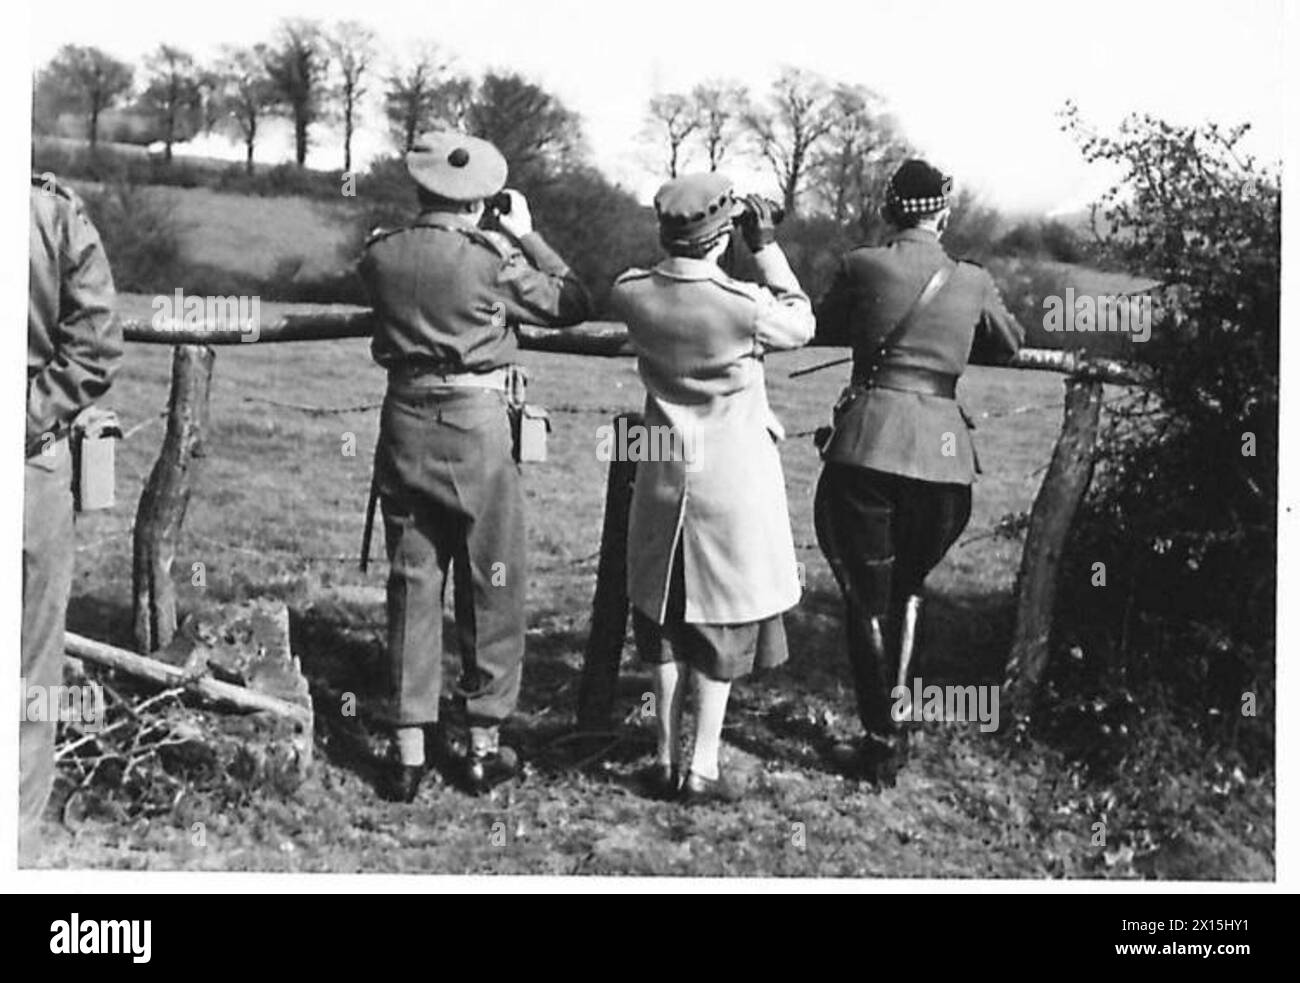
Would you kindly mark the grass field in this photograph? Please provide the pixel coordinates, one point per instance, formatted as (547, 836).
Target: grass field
(279, 512)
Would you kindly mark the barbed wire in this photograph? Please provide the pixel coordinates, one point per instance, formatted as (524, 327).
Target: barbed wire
(313, 410)
(1009, 526)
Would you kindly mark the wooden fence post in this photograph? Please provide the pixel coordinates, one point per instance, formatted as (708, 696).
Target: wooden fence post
(609, 608)
(166, 495)
(1058, 499)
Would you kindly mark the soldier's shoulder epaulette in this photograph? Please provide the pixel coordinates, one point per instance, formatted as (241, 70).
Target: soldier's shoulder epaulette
(497, 242)
(741, 288)
(631, 276)
(863, 252)
(379, 233)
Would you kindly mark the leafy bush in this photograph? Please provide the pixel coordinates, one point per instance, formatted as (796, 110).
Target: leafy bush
(1043, 239)
(141, 236)
(973, 229)
(1183, 509)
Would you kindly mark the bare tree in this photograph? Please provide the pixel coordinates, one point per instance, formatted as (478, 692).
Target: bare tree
(173, 96)
(670, 118)
(789, 127)
(851, 166)
(85, 80)
(244, 94)
(413, 94)
(297, 66)
(352, 47)
(719, 108)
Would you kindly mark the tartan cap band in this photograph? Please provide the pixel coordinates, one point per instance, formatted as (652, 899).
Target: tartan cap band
(917, 206)
(918, 188)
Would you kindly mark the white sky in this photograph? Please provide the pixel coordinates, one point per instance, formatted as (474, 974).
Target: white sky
(975, 85)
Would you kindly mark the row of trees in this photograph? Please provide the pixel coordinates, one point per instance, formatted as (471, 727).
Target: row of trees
(829, 146)
(308, 73)
(832, 143)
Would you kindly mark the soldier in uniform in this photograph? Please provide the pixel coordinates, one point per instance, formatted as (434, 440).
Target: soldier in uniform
(448, 297)
(895, 492)
(74, 347)
(711, 562)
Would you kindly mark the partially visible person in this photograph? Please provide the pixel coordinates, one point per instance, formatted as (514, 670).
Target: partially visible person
(895, 492)
(74, 348)
(711, 561)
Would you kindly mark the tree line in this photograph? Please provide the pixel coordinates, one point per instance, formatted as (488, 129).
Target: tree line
(827, 144)
(308, 73)
(830, 146)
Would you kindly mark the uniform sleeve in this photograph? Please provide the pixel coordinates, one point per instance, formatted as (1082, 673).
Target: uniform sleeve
(833, 313)
(785, 317)
(87, 338)
(998, 335)
(539, 288)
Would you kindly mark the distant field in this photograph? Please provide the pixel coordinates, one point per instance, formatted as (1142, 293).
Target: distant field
(252, 235)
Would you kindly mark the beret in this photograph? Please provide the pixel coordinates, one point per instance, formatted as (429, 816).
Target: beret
(457, 167)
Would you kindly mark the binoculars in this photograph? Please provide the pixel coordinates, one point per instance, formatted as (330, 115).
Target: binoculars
(743, 208)
(500, 203)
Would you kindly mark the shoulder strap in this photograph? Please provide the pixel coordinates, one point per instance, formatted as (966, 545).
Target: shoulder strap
(931, 290)
(477, 236)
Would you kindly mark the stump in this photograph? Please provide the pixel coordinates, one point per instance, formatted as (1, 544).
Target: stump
(609, 608)
(1053, 512)
(166, 496)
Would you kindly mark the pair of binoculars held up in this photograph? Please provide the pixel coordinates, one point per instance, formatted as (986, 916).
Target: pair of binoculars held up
(744, 208)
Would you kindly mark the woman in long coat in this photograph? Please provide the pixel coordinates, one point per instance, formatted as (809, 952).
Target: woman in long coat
(711, 561)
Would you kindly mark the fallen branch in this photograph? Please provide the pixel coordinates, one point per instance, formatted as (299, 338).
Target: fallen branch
(163, 674)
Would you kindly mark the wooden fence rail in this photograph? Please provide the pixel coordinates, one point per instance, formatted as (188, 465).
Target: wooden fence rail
(167, 492)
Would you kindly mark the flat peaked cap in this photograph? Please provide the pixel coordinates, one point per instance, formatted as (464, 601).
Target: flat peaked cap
(456, 166)
(918, 188)
(694, 207)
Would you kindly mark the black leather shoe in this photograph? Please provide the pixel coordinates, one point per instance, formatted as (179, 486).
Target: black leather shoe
(874, 759)
(698, 790)
(401, 783)
(660, 781)
(485, 772)
(883, 758)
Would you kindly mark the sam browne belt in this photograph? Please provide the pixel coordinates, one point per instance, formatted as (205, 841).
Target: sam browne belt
(911, 379)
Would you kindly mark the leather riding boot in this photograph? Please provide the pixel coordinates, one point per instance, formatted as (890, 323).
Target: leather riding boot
(907, 621)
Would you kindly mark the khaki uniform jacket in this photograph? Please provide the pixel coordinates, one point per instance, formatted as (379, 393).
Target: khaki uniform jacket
(913, 434)
(700, 336)
(74, 341)
(448, 296)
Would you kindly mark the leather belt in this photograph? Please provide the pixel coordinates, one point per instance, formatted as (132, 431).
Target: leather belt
(427, 380)
(911, 379)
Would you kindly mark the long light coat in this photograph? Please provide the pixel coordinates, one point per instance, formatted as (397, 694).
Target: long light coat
(700, 336)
